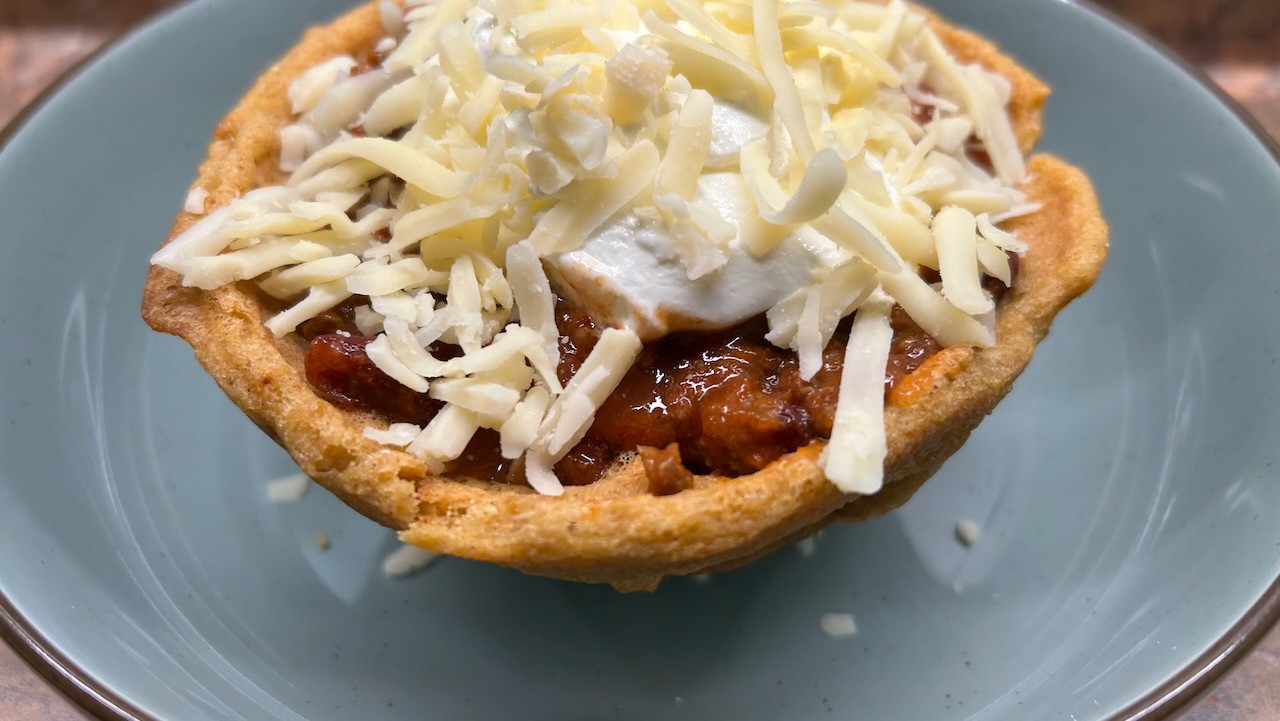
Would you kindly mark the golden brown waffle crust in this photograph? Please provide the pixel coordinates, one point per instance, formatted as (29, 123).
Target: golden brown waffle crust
(612, 531)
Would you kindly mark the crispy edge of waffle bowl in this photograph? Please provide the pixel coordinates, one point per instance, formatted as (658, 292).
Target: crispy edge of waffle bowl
(614, 531)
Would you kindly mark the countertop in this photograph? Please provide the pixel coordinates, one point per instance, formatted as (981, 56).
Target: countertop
(1237, 42)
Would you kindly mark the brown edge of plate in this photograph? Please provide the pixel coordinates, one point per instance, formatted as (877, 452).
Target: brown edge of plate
(1174, 695)
(1198, 678)
(75, 683)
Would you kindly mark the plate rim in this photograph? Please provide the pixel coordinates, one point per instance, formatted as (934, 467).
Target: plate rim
(1184, 687)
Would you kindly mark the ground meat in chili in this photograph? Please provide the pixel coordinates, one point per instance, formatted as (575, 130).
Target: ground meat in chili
(665, 469)
(729, 398)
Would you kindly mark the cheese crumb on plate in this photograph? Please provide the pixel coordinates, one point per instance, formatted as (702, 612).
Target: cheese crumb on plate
(407, 560)
(968, 531)
(288, 489)
(838, 625)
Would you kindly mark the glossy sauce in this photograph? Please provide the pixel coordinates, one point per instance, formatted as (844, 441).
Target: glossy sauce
(340, 371)
(730, 401)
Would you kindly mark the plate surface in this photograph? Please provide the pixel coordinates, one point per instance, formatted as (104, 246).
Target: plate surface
(1126, 488)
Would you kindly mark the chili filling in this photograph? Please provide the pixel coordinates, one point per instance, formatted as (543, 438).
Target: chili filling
(725, 402)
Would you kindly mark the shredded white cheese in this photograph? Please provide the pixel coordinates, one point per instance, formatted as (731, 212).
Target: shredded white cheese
(567, 225)
(570, 415)
(854, 457)
(443, 189)
(396, 434)
(955, 231)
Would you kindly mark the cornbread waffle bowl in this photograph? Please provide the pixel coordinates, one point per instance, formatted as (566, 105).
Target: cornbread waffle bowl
(614, 530)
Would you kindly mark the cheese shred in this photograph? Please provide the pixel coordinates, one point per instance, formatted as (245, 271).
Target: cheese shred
(854, 457)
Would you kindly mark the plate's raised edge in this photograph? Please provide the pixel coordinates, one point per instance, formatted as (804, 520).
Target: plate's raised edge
(74, 682)
(1199, 677)
(1242, 114)
(1163, 702)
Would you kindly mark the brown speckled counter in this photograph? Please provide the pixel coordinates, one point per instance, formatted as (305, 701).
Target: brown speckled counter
(1237, 42)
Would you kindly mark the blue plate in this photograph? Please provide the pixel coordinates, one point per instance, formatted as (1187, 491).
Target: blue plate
(1127, 488)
